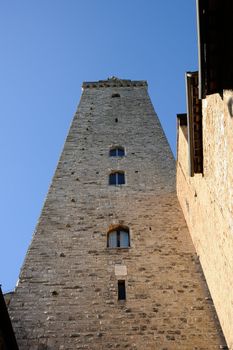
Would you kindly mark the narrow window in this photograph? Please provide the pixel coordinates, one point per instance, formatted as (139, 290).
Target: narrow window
(115, 95)
(194, 119)
(117, 178)
(118, 238)
(121, 290)
(117, 152)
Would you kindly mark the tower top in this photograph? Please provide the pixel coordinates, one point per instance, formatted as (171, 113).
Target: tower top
(114, 82)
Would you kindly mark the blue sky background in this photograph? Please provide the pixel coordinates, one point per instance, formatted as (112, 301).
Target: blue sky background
(48, 48)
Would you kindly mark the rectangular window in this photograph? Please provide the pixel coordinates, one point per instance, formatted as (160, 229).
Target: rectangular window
(117, 178)
(112, 179)
(113, 152)
(194, 118)
(124, 239)
(120, 179)
(112, 240)
(120, 152)
(118, 239)
(121, 290)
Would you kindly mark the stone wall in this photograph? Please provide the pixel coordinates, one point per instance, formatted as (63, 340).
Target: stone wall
(207, 203)
(67, 293)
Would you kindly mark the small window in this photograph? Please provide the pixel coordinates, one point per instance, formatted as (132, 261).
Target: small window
(117, 178)
(117, 152)
(118, 239)
(115, 95)
(121, 290)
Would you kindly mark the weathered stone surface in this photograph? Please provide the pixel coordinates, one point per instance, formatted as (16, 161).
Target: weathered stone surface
(207, 203)
(67, 292)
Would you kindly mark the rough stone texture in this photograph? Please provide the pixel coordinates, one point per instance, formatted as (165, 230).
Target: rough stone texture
(207, 203)
(67, 293)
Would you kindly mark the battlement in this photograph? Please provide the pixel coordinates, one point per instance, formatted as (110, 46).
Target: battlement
(113, 82)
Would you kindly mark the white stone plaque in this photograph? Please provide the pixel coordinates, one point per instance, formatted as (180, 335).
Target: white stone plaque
(120, 270)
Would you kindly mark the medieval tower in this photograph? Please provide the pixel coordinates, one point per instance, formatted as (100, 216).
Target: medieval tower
(111, 264)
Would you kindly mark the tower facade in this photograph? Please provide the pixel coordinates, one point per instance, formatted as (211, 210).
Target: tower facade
(111, 264)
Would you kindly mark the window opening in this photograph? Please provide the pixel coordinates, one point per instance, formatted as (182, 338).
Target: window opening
(117, 152)
(117, 178)
(194, 119)
(118, 239)
(115, 95)
(116, 120)
(121, 290)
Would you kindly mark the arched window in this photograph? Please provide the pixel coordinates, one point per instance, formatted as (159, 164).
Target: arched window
(115, 95)
(117, 152)
(118, 238)
(117, 178)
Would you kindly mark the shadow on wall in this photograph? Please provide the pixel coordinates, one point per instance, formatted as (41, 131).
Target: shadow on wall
(230, 106)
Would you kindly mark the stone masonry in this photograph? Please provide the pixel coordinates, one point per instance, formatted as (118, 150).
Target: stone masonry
(207, 202)
(67, 292)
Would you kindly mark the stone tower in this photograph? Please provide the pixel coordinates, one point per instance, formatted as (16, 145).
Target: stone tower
(111, 264)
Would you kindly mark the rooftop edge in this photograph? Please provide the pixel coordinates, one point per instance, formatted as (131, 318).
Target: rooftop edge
(114, 82)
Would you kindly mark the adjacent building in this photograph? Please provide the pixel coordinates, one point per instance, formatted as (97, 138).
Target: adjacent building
(204, 156)
(7, 336)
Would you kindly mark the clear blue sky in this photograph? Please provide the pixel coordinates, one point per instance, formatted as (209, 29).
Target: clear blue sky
(48, 48)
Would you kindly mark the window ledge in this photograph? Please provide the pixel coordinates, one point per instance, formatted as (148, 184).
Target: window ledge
(118, 248)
